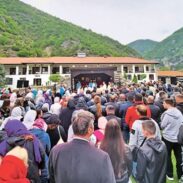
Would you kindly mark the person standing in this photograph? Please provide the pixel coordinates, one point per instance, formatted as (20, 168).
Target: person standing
(151, 157)
(171, 121)
(78, 160)
(119, 152)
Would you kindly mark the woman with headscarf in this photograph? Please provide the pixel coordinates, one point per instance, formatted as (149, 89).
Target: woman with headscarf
(56, 107)
(29, 119)
(55, 130)
(18, 135)
(39, 130)
(47, 99)
(16, 113)
(13, 168)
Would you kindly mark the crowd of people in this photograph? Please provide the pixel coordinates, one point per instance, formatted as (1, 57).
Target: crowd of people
(92, 135)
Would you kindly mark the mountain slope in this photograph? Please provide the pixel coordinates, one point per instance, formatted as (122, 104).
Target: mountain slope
(143, 46)
(169, 51)
(26, 31)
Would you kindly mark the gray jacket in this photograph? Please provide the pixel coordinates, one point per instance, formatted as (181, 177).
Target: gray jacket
(171, 121)
(80, 162)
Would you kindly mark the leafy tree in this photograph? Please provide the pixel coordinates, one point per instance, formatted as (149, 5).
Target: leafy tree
(135, 79)
(56, 78)
(2, 76)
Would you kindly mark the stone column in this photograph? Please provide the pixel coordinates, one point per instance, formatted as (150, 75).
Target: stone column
(17, 70)
(145, 69)
(122, 68)
(49, 69)
(61, 70)
(133, 69)
(27, 71)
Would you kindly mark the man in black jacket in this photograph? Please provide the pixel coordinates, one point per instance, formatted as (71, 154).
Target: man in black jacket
(151, 157)
(78, 161)
(179, 102)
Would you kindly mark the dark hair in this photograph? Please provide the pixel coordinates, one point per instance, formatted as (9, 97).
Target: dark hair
(82, 122)
(149, 126)
(38, 111)
(114, 145)
(138, 97)
(169, 101)
(130, 98)
(162, 94)
(6, 104)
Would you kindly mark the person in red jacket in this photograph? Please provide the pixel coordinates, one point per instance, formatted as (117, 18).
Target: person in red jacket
(13, 168)
(131, 114)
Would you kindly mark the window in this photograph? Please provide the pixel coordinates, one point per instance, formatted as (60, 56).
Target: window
(129, 77)
(9, 81)
(151, 76)
(24, 70)
(138, 76)
(147, 68)
(55, 70)
(37, 82)
(35, 70)
(44, 69)
(136, 69)
(125, 69)
(12, 71)
(66, 70)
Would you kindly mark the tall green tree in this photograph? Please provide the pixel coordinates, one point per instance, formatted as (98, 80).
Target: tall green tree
(135, 79)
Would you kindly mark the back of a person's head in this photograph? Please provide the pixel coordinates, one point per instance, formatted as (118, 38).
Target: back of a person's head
(97, 99)
(138, 97)
(142, 110)
(130, 98)
(56, 100)
(113, 129)
(169, 101)
(162, 95)
(110, 109)
(44, 109)
(150, 99)
(82, 122)
(149, 126)
(114, 145)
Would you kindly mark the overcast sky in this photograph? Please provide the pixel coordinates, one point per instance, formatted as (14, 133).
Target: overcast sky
(123, 20)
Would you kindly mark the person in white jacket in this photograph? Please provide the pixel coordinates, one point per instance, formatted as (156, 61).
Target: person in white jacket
(56, 107)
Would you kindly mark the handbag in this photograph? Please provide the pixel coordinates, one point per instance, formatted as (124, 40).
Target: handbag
(60, 141)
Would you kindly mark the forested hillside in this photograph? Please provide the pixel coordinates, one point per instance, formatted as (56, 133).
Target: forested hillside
(26, 32)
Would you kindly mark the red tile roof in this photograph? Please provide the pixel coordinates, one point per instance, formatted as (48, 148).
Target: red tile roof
(75, 60)
(170, 73)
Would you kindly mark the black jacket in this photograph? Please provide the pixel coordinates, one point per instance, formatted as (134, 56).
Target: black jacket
(152, 162)
(155, 112)
(180, 107)
(66, 115)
